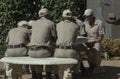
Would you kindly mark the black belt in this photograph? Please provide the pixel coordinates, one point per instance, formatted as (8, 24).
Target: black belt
(38, 47)
(17, 46)
(65, 47)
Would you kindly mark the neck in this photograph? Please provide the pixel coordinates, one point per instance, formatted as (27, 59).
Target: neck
(91, 21)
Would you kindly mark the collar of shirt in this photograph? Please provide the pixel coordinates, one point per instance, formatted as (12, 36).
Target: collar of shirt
(43, 18)
(67, 21)
(95, 23)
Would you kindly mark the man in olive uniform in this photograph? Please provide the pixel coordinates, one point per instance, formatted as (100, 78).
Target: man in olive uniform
(94, 30)
(67, 31)
(43, 32)
(17, 40)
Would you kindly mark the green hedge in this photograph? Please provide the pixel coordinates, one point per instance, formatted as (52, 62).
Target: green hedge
(12, 11)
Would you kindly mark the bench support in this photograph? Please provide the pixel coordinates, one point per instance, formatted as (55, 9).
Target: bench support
(13, 71)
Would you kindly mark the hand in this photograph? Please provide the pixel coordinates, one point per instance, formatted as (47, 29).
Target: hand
(98, 39)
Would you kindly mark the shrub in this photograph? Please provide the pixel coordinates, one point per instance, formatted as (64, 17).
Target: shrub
(111, 47)
(12, 11)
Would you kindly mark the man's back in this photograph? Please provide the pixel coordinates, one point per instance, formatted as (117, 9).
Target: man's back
(18, 35)
(41, 32)
(67, 32)
(17, 40)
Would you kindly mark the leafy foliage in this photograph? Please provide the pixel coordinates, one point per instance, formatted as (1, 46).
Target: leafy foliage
(12, 11)
(111, 47)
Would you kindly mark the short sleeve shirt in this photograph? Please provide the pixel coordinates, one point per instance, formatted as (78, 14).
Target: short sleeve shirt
(66, 32)
(96, 30)
(42, 30)
(18, 35)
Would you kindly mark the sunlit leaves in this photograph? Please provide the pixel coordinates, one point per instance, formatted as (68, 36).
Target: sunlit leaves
(13, 11)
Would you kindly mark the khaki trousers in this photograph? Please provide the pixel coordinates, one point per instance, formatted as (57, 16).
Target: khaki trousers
(65, 71)
(93, 51)
(40, 54)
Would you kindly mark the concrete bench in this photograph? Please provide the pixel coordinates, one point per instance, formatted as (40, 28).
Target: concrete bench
(42, 61)
(35, 61)
(38, 61)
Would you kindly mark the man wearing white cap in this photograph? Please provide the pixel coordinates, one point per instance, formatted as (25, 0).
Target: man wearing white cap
(17, 40)
(43, 32)
(67, 31)
(94, 29)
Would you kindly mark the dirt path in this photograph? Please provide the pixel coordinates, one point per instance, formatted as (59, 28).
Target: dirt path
(112, 71)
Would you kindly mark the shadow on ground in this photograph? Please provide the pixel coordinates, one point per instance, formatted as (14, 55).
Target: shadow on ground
(111, 72)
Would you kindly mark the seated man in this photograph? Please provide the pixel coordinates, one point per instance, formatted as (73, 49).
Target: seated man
(17, 40)
(67, 31)
(94, 29)
(43, 30)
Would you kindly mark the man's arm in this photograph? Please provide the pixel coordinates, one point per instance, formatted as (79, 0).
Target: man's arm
(83, 31)
(53, 33)
(101, 32)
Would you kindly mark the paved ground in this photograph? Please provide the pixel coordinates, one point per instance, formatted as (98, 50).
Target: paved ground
(112, 68)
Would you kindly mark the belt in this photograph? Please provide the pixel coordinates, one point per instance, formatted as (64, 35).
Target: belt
(65, 47)
(17, 46)
(33, 48)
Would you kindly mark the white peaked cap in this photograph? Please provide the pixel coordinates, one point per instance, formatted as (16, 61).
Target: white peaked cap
(21, 23)
(67, 13)
(30, 22)
(88, 12)
(43, 12)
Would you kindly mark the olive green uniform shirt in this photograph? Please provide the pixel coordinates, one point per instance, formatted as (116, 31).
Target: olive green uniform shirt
(67, 32)
(42, 31)
(18, 36)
